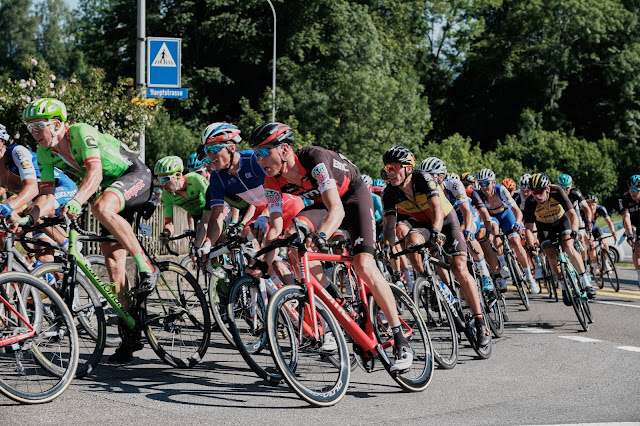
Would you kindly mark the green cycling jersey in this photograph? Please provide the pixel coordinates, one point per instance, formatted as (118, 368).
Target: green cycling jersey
(196, 201)
(87, 145)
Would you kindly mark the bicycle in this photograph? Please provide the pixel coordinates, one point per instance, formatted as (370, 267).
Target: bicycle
(576, 294)
(38, 340)
(299, 316)
(606, 265)
(492, 301)
(174, 317)
(515, 270)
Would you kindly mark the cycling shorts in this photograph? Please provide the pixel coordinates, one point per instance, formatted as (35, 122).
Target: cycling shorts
(359, 218)
(455, 244)
(549, 233)
(596, 231)
(506, 219)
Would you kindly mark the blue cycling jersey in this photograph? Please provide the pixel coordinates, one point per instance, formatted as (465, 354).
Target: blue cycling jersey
(503, 195)
(248, 184)
(22, 162)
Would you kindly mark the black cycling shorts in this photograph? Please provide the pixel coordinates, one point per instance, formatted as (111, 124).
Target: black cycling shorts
(455, 244)
(549, 233)
(359, 218)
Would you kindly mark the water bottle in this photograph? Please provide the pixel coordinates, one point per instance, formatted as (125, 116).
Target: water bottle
(447, 292)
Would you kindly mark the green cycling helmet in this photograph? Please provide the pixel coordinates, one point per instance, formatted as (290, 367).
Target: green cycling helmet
(564, 180)
(168, 166)
(45, 108)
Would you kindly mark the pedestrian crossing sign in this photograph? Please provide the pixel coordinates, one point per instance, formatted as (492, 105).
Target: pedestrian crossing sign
(163, 62)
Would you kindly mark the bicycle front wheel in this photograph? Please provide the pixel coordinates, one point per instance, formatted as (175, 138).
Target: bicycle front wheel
(438, 318)
(248, 326)
(23, 375)
(608, 271)
(518, 280)
(304, 366)
(177, 324)
(87, 311)
(573, 287)
(418, 377)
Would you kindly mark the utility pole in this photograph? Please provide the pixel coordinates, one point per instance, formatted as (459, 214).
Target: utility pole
(140, 66)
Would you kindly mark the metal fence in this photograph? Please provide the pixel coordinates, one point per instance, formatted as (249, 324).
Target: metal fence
(152, 243)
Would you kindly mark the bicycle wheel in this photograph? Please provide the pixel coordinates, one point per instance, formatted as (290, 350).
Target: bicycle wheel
(99, 267)
(573, 288)
(177, 324)
(87, 312)
(608, 271)
(23, 376)
(418, 377)
(304, 367)
(495, 318)
(218, 292)
(518, 280)
(438, 318)
(247, 324)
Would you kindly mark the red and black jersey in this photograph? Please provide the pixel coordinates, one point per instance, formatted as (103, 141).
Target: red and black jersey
(320, 169)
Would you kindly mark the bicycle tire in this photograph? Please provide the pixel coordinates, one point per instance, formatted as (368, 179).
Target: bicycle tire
(306, 370)
(611, 271)
(495, 317)
(99, 267)
(87, 311)
(56, 343)
(438, 318)
(573, 290)
(518, 280)
(177, 323)
(249, 333)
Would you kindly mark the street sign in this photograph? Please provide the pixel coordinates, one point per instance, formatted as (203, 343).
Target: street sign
(167, 93)
(164, 62)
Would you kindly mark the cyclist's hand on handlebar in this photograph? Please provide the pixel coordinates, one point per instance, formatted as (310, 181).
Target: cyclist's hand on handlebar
(631, 239)
(257, 268)
(437, 237)
(204, 249)
(468, 235)
(315, 242)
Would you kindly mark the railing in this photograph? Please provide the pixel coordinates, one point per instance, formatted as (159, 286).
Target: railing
(152, 244)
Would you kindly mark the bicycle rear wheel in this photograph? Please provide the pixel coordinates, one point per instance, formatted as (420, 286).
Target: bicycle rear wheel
(177, 324)
(23, 376)
(88, 314)
(608, 271)
(495, 318)
(573, 288)
(439, 320)
(248, 326)
(304, 367)
(418, 377)
(518, 280)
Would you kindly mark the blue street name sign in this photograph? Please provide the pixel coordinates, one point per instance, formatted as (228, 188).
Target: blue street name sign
(152, 92)
(164, 62)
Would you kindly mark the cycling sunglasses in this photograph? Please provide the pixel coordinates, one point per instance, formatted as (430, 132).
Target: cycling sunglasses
(165, 179)
(263, 151)
(212, 149)
(395, 168)
(634, 190)
(538, 191)
(485, 183)
(38, 126)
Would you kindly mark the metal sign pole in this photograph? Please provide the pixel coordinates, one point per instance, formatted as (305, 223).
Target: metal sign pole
(273, 82)
(140, 65)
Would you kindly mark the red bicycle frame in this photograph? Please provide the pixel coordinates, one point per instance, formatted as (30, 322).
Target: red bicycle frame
(5, 341)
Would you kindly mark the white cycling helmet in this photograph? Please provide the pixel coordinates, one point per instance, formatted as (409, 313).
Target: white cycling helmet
(523, 182)
(220, 132)
(367, 180)
(486, 175)
(433, 165)
(4, 136)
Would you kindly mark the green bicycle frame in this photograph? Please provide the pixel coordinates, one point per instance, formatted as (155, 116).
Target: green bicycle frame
(106, 289)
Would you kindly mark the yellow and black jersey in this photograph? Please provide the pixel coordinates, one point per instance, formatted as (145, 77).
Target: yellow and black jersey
(559, 205)
(424, 187)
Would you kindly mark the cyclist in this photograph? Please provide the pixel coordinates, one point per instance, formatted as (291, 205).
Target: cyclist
(188, 191)
(100, 160)
(416, 194)
(629, 206)
(597, 211)
(504, 210)
(340, 199)
(468, 216)
(577, 199)
(523, 192)
(510, 184)
(556, 220)
(195, 165)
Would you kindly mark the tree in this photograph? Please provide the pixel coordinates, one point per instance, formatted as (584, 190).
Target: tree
(18, 28)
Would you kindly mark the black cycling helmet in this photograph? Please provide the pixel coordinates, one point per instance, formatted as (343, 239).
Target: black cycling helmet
(539, 181)
(271, 133)
(399, 154)
(468, 177)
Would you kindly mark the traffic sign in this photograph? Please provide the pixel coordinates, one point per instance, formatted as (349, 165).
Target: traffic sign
(167, 93)
(164, 62)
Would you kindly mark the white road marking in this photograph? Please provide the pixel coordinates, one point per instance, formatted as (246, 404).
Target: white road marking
(614, 303)
(629, 348)
(534, 330)
(580, 339)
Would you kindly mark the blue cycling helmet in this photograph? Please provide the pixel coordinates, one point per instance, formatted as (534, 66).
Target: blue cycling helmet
(634, 181)
(194, 163)
(564, 180)
(380, 183)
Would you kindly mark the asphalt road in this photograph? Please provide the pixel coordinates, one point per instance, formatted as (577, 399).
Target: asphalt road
(543, 371)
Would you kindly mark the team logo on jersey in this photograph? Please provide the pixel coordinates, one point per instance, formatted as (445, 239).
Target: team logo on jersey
(319, 171)
(339, 165)
(91, 142)
(248, 175)
(431, 185)
(26, 164)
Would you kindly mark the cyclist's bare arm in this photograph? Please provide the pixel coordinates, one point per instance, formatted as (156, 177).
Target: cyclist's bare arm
(467, 218)
(389, 230)
(528, 234)
(90, 183)
(573, 218)
(626, 221)
(249, 214)
(437, 213)
(29, 192)
(335, 212)
(610, 225)
(216, 224)
(203, 225)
